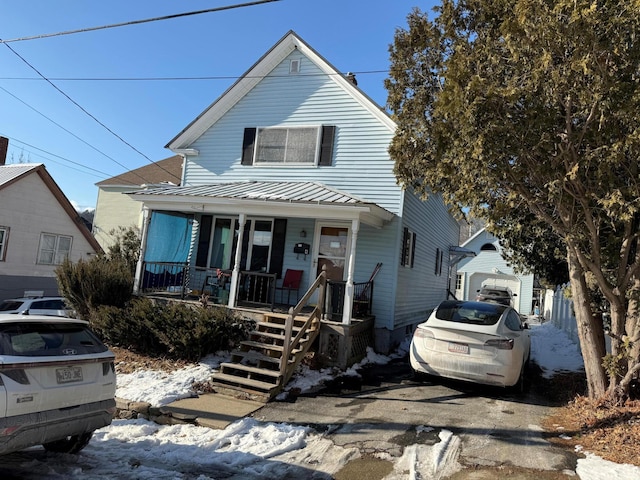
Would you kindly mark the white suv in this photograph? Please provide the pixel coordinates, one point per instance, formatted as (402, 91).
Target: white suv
(36, 306)
(57, 383)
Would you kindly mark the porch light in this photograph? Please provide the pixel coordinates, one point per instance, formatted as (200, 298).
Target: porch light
(303, 233)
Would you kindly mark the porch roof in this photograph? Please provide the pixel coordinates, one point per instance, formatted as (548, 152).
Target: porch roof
(292, 199)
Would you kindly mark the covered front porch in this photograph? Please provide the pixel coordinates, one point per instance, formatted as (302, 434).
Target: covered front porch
(238, 244)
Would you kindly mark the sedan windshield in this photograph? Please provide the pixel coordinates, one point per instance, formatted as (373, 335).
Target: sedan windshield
(476, 313)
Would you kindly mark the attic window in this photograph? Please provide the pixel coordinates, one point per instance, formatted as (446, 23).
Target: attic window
(294, 66)
(490, 247)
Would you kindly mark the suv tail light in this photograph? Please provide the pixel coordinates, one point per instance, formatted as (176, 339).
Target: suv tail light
(18, 375)
(500, 343)
(106, 366)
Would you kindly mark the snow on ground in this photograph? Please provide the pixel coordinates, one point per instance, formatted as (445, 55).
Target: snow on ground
(248, 449)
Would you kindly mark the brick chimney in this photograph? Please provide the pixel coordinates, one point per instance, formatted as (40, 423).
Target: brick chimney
(4, 146)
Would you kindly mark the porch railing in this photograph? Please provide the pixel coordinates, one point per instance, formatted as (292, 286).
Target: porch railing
(362, 299)
(165, 277)
(255, 288)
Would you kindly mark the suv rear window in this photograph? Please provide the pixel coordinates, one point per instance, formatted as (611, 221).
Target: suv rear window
(48, 305)
(473, 313)
(48, 339)
(9, 305)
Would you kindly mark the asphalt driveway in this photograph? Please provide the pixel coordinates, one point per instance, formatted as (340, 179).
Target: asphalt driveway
(388, 409)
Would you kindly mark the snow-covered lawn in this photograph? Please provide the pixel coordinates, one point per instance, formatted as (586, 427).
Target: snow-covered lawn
(248, 449)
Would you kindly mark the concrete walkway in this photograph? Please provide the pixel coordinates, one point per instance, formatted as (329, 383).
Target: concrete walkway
(211, 410)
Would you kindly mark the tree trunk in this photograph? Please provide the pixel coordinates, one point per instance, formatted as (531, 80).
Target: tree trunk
(590, 331)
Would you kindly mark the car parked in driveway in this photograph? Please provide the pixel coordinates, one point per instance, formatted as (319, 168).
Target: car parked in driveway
(474, 341)
(57, 383)
(36, 306)
(501, 295)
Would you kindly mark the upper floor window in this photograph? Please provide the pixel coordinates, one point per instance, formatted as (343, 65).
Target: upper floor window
(488, 247)
(53, 248)
(4, 237)
(268, 146)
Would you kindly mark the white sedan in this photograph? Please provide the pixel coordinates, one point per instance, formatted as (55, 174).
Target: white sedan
(474, 341)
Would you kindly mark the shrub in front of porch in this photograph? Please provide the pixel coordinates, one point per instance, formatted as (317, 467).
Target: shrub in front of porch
(177, 330)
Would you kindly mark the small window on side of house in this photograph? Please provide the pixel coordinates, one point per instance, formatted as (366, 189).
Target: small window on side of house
(459, 281)
(439, 261)
(407, 256)
(4, 239)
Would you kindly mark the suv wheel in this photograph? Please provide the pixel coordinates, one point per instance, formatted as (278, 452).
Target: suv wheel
(71, 444)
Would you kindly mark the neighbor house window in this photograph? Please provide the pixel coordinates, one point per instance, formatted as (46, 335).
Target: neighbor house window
(408, 248)
(279, 146)
(4, 237)
(53, 249)
(458, 282)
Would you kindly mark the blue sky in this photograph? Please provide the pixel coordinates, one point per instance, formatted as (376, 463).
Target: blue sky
(353, 35)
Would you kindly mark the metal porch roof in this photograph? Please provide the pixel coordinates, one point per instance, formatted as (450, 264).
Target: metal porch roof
(290, 193)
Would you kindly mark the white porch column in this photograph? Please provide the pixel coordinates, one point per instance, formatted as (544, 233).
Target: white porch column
(143, 248)
(235, 274)
(348, 292)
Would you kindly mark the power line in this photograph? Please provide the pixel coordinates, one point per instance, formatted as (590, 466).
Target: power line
(102, 174)
(137, 22)
(89, 114)
(155, 79)
(66, 130)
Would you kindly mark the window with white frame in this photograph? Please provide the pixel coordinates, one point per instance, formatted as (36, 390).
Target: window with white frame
(53, 248)
(459, 281)
(408, 248)
(4, 238)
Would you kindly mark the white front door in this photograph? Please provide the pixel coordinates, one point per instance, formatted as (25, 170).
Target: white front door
(330, 248)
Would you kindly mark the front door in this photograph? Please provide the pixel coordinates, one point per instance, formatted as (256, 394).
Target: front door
(330, 248)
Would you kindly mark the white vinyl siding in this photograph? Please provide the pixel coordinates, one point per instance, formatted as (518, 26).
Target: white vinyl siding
(360, 165)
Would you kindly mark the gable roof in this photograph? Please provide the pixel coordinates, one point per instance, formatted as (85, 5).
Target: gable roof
(13, 173)
(287, 44)
(168, 170)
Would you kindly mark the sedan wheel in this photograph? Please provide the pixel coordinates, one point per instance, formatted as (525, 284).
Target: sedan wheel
(71, 444)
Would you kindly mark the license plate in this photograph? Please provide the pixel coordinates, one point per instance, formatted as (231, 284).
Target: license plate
(69, 374)
(458, 348)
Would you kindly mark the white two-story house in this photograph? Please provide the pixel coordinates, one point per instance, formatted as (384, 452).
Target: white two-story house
(289, 170)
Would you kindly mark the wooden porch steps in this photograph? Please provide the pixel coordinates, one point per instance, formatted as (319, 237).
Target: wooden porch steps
(255, 370)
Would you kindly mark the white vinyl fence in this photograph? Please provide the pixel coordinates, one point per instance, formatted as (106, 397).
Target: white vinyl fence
(559, 310)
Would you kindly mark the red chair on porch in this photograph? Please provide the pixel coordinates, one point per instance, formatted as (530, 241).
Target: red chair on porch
(290, 283)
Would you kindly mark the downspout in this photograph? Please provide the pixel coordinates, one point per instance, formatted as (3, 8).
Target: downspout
(235, 274)
(348, 293)
(143, 248)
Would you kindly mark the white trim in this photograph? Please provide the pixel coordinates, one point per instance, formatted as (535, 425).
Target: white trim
(290, 43)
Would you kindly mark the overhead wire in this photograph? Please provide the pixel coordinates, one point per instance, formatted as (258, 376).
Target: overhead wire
(134, 22)
(138, 22)
(102, 174)
(70, 133)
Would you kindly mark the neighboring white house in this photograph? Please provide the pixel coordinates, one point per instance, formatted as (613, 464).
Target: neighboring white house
(290, 166)
(115, 210)
(38, 228)
(489, 268)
